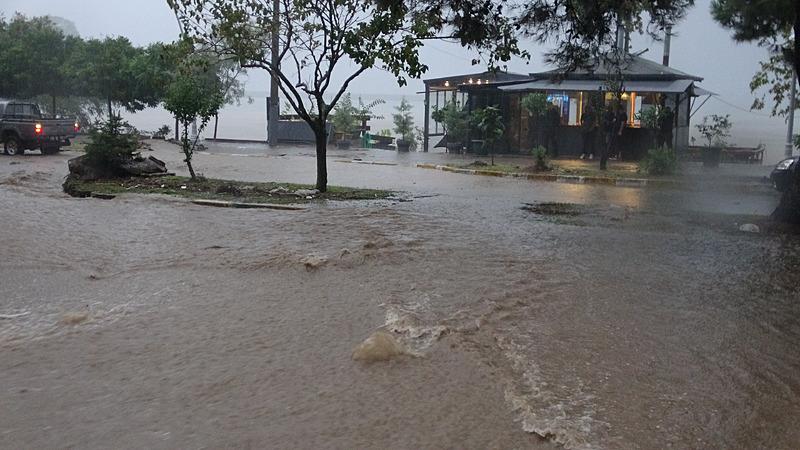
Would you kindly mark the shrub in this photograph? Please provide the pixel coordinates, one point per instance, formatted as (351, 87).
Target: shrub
(715, 129)
(535, 103)
(659, 161)
(110, 143)
(162, 132)
(541, 158)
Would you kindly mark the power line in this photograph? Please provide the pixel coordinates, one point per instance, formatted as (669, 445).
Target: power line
(750, 111)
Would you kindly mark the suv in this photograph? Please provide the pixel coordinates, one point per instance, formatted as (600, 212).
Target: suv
(22, 127)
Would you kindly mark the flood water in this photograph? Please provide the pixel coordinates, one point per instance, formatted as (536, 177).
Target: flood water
(644, 320)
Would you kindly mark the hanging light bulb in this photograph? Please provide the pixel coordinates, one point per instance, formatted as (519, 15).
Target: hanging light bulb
(447, 83)
(470, 81)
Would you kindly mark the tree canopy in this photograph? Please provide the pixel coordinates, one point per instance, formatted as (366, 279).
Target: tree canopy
(319, 42)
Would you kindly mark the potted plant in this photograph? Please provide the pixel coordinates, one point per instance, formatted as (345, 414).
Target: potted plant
(404, 126)
(536, 104)
(455, 122)
(489, 122)
(344, 119)
(715, 129)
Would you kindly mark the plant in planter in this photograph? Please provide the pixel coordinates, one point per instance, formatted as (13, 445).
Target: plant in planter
(489, 122)
(455, 122)
(344, 120)
(404, 126)
(650, 118)
(536, 104)
(715, 129)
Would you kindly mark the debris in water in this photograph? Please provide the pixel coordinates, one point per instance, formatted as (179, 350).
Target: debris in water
(548, 208)
(344, 252)
(381, 346)
(74, 318)
(750, 228)
(313, 261)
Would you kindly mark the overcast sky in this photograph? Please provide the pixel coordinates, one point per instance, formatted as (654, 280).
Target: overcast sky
(701, 47)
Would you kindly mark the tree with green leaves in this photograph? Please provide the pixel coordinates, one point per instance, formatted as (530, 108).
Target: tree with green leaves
(34, 58)
(774, 24)
(489, 122)
(193, 96)
(404, 125)
(319, 42)
(115, 71)
(454, 119)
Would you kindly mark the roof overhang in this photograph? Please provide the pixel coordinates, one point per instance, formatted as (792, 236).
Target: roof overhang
(676, 86)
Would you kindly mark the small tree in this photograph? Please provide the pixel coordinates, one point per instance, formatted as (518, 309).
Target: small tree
(318, 43)
(191, 98)
(454, 120)
(343, 116)
(111, 143)
(535, 103)
(715, 130)
(404, 124)
(489, 121)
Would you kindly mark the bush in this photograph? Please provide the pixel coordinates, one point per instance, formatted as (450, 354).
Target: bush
(541, 158)
(110, 143)
(659, 161)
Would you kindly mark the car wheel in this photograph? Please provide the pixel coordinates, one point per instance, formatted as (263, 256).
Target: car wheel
(12, 146)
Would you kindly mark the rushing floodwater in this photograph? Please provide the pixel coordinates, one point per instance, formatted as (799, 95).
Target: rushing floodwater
(645, 321)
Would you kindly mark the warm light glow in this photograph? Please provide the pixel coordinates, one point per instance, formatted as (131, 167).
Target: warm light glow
(447, 84)
(479, 81)
(470, 81)
(77, 127)
(38, 128)
(625, 96)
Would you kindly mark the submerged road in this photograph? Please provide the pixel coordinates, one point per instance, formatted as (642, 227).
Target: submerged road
(642, 319)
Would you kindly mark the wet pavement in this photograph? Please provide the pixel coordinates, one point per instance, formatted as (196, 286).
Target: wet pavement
(643, 320)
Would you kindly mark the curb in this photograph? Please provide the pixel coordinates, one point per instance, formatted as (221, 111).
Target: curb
(226, 204)
(573, 179)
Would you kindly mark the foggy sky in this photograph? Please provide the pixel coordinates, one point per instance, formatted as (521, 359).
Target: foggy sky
(701, 48)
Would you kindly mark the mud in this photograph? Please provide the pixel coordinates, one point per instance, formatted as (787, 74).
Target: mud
(652, 323)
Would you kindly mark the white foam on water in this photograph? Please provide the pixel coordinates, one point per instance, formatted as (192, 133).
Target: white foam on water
(568, 421)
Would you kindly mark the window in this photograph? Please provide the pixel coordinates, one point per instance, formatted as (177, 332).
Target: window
(570, 104)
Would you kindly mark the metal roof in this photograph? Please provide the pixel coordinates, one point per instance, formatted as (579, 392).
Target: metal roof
(675, 86)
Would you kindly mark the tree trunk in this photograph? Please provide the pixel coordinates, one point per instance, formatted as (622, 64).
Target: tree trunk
(110, 112)
(53, 113)
(321, 135)
(216, 122)
(177, 129)
(186, 151)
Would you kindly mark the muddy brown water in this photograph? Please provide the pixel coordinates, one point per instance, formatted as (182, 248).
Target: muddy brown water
(646, 321)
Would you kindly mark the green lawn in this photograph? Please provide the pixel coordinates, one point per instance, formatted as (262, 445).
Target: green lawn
(214, 189)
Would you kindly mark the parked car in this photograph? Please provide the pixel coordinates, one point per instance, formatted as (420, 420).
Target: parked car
(22, 127)
(781, 174)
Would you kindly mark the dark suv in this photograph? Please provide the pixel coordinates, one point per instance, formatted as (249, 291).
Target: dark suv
(22, 127)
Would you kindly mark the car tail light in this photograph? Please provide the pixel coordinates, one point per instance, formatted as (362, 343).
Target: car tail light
(77, 127)
(38, 128)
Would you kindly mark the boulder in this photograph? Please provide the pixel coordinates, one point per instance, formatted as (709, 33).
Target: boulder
(81, 168)
(144, 166)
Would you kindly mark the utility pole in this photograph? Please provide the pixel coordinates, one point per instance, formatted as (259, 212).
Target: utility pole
(274, 107)
(792, 107)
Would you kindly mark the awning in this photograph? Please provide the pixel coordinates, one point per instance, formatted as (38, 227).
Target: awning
(676, 86)
(700, 92)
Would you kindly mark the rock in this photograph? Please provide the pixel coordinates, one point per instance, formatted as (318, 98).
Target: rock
(75, 318)
(312, 262)
(140, 166)
(750, 228)
(381, 346)
(306, 192)
(84, 170)
(279, 190)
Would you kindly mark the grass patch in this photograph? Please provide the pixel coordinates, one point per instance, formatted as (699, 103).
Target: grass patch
(214, 189)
